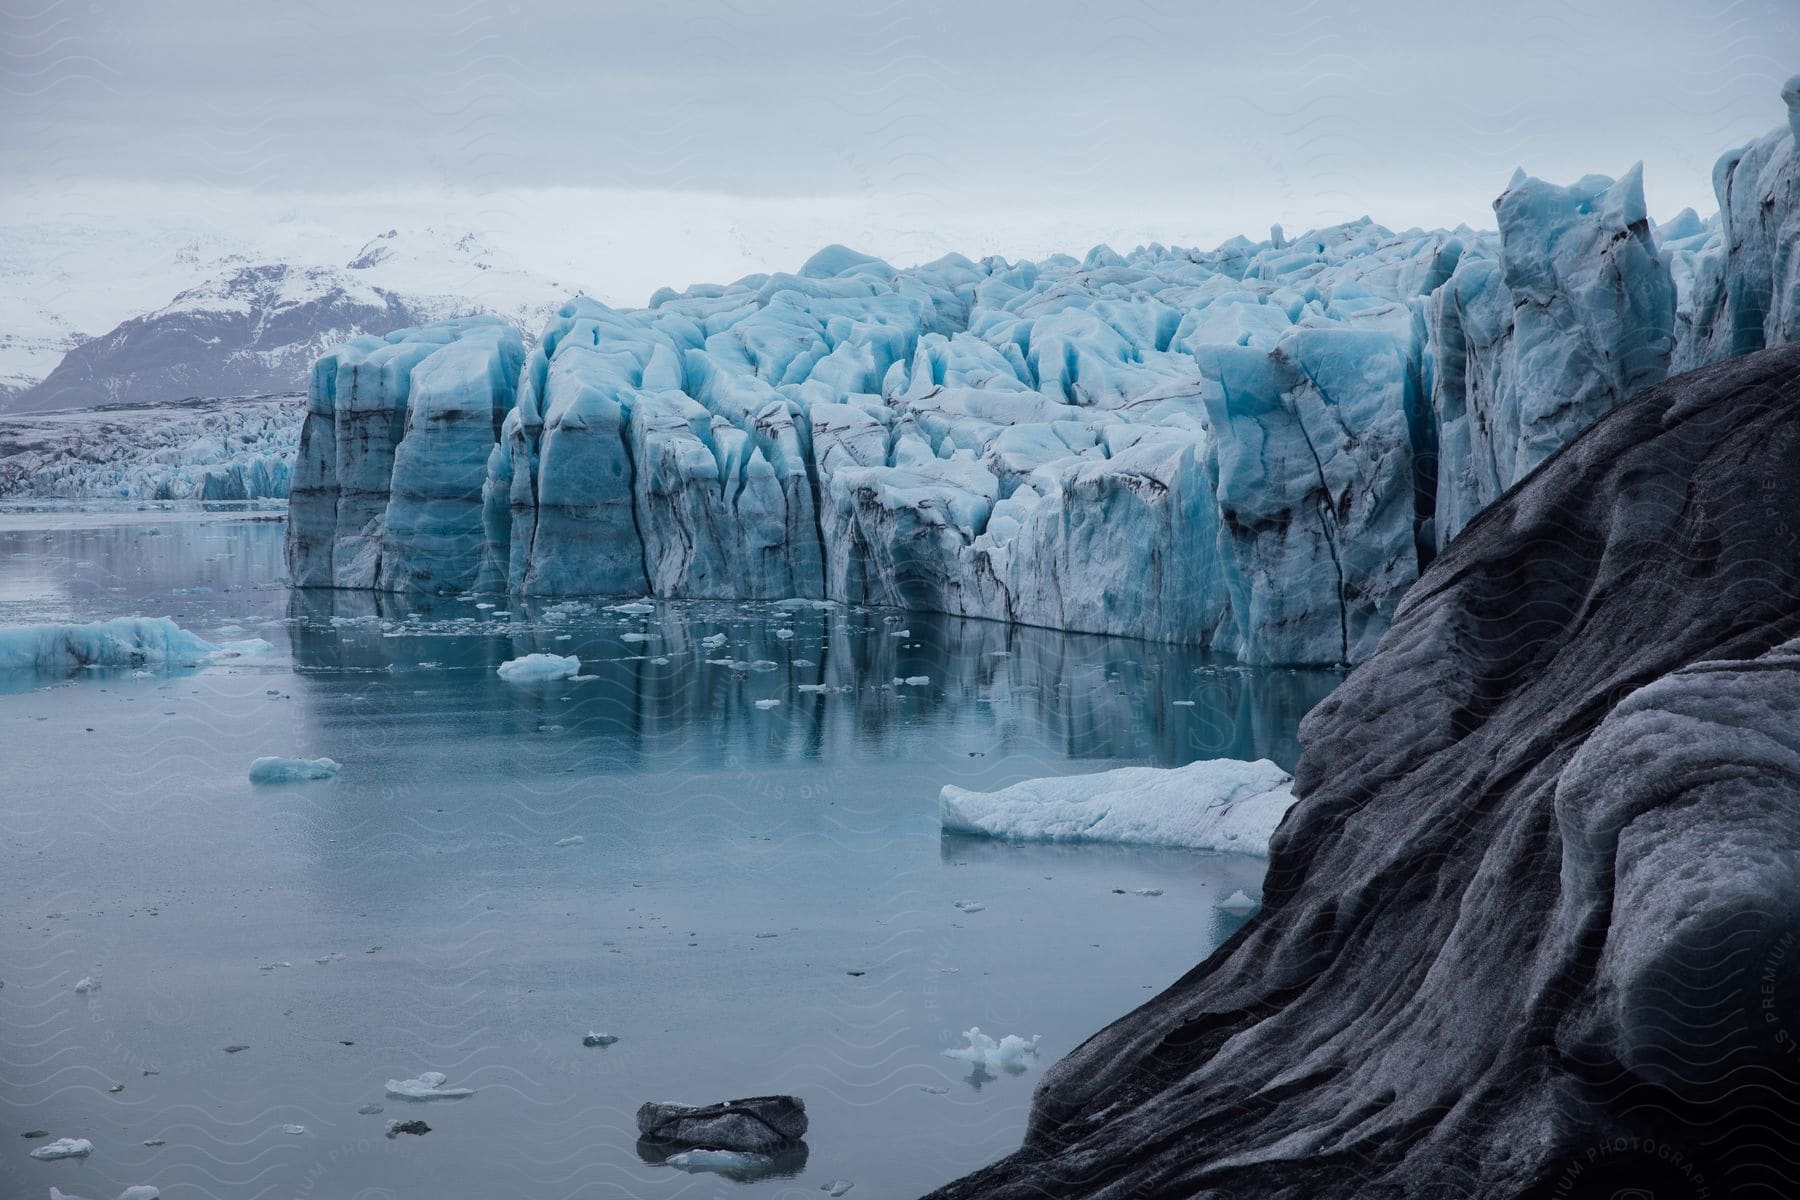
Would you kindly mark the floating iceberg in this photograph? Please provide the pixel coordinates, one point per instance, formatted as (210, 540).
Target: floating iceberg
(428, 1086)
(64, 1148)
(721, 1161)
(1219, 804)
(120, 642)
(1010, 1054)
(1237, 904)
(291, 770)
(535, 668)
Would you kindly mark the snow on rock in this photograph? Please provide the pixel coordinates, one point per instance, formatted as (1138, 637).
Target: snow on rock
(428, 1086)
(536, 668)
(1255, 448)
(1220, 804)
(120, 642)
(63, 1148)
(1010, 1054)
(291, 770)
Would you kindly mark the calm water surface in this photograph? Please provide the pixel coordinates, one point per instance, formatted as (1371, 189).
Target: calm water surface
(737, 864)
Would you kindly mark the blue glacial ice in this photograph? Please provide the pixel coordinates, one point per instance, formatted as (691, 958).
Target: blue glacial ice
(120, 642)
(1218, 804)
(538, 668)
(273, 769)
(223, 450)
(1255, 448)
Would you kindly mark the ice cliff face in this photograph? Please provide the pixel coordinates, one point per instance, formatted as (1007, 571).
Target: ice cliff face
(387, 483)
(1256, 448)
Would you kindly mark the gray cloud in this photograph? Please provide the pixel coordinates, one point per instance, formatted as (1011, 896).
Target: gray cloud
(1292, 108)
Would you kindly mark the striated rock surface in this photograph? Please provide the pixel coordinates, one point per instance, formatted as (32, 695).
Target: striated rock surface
(1531, 929)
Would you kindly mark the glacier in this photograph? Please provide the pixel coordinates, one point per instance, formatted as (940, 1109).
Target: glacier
(199, 450)
(1255, 448)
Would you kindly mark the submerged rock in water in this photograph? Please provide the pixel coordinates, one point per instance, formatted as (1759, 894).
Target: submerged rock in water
(757, 1124)
(1530, 928)
(416, 1128)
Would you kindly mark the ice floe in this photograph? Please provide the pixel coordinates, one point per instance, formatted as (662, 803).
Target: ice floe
(1218, 804)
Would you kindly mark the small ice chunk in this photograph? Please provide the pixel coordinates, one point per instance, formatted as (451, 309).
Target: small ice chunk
(273, 769)
(634, 637)
(1009, 1054)
(917, 680)
(766, 704)
(88, 984)
(534, 668)
(714, 642)
(636, 608)
(369, 1110)
(572, 840)
(1184, 704)
(718, 1161)
(428, 1086)
(293, 1130)
(784, 634)
(969, 906)
(1237, 903)
(140, 1191)
(836, 1187)
(598, 1039)
(63, 1148)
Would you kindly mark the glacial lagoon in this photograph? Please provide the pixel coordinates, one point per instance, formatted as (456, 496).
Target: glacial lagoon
(751, 897)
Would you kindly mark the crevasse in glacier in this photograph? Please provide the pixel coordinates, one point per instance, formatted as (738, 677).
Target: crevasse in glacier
(1255, 447)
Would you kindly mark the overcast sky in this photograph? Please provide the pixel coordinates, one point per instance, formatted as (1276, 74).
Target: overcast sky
(1004, 124)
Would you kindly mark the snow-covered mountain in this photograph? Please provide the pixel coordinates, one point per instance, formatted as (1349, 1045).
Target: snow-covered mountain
(237, 326)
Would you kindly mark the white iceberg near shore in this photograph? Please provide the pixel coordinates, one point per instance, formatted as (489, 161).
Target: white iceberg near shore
(983, 1053)
(271, 769)
(1220, 804)
(537, 668)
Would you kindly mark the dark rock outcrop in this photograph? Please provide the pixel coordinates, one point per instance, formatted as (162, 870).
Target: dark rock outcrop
(756, 1125)
(1534, 927)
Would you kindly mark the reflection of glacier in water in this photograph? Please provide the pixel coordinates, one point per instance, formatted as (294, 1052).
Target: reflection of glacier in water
(846, 677)
(760, 899)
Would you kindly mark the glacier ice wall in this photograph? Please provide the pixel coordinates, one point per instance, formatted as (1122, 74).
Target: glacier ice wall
(1256, 448)
(393, 455)
(215, 450)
